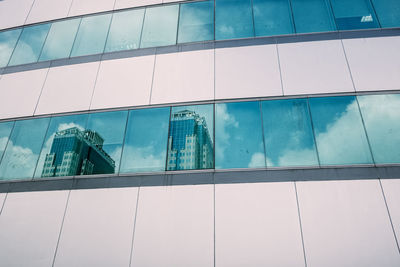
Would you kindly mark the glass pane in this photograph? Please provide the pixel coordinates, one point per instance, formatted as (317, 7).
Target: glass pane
(233, 19)
(313, 16)
(5, 130)
(160, 26)
(339, 132)
(8, 39)
(289, 139)
(125, 30)
(60, 152)
(190, 139)
(108, 129)
(238, 136)
(60, 39)
(272, 17)
(355, 14)
(381, 115)
(92, 35)
(196, 22)
(22, 152)
(145, 146)
(388, 12)
(30, 44)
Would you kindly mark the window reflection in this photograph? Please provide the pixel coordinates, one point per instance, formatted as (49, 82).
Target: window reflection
(8, 39)
(388, 12)
(190, 141)
(5, 130)
(355, 14)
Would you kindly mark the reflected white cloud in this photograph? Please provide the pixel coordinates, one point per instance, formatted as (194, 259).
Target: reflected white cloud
(142, 159)
(257, 160)
(225, 120)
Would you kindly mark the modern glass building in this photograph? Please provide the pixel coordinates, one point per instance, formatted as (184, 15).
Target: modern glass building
(199, 133)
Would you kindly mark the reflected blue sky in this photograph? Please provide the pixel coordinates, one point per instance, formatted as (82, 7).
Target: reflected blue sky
(388, 12)
(355, 14)
(5, 130)
(8, 39)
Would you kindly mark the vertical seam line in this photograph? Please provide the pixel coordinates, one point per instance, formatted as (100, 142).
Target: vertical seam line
(41, 90)
(348, 65)
(95, 83)
(279, 66)
(152, 78)
(134, 226)
(301, 226)
(29, 12)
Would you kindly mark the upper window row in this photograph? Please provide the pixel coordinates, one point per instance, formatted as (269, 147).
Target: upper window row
(190, 22)
(321, 131)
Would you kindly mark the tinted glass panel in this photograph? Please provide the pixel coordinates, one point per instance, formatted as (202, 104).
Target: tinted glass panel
(238, 136)
(125, 30)
(196, 22)
(272, 17)
(62, 149)
(145, 146)
(233, 19)
(289, 139)
(381, 115)
(5, 130)
(22, 152)
(339, 132)
(30, 44)
(388, 12)
(160, 26)
(190, 139)
(60, 39)
(313, 16)
(8, 39)
(355, 14)
(92, 35)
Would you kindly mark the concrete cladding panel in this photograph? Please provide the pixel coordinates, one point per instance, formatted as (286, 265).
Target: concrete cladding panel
(257, 225)
(2, 198)
(17, 10)
(249, 71)
(29, 228)
(314, 67)
(374, 62)
(392, 193)
(346, 223)
(98, 228)
(174, 226)
(43, 10)
(135, 3)
(81, 7)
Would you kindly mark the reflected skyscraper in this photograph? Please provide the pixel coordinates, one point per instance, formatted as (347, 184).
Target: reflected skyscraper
(189, 142)
(76, 152)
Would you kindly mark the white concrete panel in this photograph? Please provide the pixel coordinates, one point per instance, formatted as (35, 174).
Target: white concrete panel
(44, 10)
(392, 193)
(2, 197)
(68, 88)
(314, 67)
(80, 7)
(172, 1)
(345, 223)
(29, 228)
(174, 227)
(374, 62)
(98, 228)
(13, 12)
(123, 82)
(183, 76)
(249, 71)
(20, 91)
(257, 225)
(119, 4)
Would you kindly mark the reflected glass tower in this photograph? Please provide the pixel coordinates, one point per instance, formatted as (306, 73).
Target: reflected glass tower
(189, 142)
(76, 152)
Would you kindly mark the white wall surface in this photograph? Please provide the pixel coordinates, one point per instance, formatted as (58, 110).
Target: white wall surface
(392, 193)
(17, 12)
(134, 3)
(44, 10)
(2, 198)
(80, 7)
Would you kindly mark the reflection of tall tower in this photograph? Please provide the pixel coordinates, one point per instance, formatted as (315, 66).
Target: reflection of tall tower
(76, 152)
(189, 142)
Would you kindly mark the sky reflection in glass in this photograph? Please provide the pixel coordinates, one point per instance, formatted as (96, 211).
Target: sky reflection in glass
(8, 39)
(289, 139)
(238, 136)
(388, 12)
(339, 131)
(196, 22)
(354, 14)
(5, 130)
(145, 146)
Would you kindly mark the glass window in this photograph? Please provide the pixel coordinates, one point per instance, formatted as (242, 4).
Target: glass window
(233, 19)
(60, 39)
(125, 30)
(339, 131)
(289, 139)
(160, 26)
(196, 22)
(381, 115)
(272, 17)
(145, 141)
(355, 14)
(388, 12)
(62, 147)
(92, 35)
(30, 44)
(190, 138)
(313, 16)
(8, 39)
(238, 136)
(22, 151)
(5, 130)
